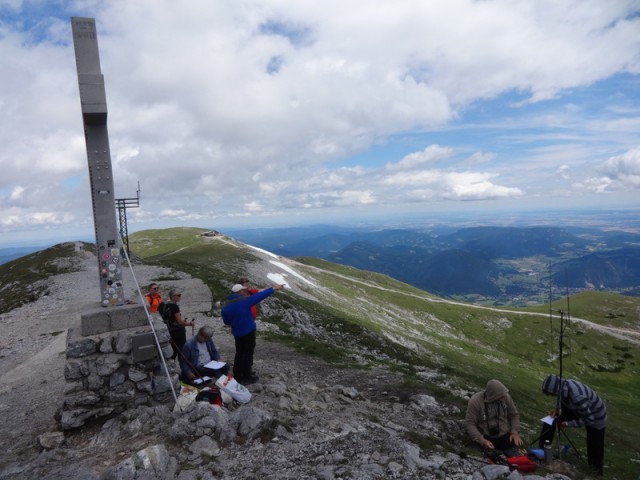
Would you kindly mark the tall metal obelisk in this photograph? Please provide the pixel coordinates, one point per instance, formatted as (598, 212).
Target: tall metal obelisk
(94, 115)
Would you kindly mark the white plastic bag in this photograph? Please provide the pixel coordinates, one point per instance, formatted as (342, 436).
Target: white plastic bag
(234, 389)
(187, 395)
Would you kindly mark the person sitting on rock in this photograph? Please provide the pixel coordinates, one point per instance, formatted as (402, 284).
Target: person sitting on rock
(196, 353)
(492, 418)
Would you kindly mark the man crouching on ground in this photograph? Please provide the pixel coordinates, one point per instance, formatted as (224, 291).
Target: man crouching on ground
(492, 418)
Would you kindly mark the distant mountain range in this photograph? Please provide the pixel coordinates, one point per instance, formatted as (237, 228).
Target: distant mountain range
(502, 265)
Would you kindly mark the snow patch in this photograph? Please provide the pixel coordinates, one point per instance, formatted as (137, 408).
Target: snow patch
(263, 251)
(291, 271)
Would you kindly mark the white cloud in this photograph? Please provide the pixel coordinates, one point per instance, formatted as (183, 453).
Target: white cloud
(594, 184)
(478, 158)
(16, 194)
(37, 219)
(428, 155)
(623, 170)
(271, 107)
(563, 171)
(173, 213)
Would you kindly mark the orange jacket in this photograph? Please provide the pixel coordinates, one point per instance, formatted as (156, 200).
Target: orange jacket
(153, 300)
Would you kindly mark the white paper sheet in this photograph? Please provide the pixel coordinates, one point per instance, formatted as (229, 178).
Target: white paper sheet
(548, 420)
(198, 381)
(214, 365)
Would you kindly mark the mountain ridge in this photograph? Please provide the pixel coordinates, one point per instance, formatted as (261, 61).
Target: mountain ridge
(368, 322)
(496, 264)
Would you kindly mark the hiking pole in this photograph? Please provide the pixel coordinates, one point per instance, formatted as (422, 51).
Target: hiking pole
(464, 456)
(493, 455)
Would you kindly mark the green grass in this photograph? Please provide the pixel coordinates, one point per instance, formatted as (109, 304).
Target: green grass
(23, 280)
(603, 308)
(385, 322)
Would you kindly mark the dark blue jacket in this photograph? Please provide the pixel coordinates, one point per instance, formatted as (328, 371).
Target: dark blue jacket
(237, 311)
(191, 353)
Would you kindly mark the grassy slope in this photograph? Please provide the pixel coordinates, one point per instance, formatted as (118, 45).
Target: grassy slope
(23, 280)
(390, 322)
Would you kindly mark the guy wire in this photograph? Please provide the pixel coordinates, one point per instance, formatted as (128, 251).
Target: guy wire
(551, 342)
(150, 320)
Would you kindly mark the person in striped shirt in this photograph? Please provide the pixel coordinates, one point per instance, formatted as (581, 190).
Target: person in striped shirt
(577, 406)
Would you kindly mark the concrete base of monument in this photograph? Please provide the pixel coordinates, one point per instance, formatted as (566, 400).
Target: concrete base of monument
(113, 363)
(101, 320)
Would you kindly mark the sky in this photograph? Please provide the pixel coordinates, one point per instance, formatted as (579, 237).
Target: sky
(280, 112)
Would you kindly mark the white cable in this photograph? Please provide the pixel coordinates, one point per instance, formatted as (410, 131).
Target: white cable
(150, 320)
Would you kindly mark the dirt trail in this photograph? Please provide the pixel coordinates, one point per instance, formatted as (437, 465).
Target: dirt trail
(632, 336)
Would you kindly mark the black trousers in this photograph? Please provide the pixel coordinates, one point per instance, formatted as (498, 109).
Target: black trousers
(179, 337)
(595, 440)
(243, 361)
(502, 443)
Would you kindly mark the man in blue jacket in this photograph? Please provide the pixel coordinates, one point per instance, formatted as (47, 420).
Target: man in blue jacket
(198, 351)
(237, 313)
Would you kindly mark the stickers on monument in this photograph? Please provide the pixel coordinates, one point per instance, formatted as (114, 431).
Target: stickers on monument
(112, 267)
(115, 252)
(105, 256)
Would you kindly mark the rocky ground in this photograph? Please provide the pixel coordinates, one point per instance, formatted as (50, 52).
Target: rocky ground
(306, 419)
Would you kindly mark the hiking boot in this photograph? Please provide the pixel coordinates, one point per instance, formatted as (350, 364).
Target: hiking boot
(250, 379)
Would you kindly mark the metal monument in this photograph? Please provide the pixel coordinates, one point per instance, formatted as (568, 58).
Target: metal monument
(94, 115)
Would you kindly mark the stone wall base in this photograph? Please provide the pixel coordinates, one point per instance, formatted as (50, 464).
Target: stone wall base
(102, 373)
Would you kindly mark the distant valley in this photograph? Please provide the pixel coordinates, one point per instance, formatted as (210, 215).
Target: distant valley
(516, 266)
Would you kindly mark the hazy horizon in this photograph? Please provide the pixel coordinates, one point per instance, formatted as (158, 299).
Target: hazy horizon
(627, 219)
